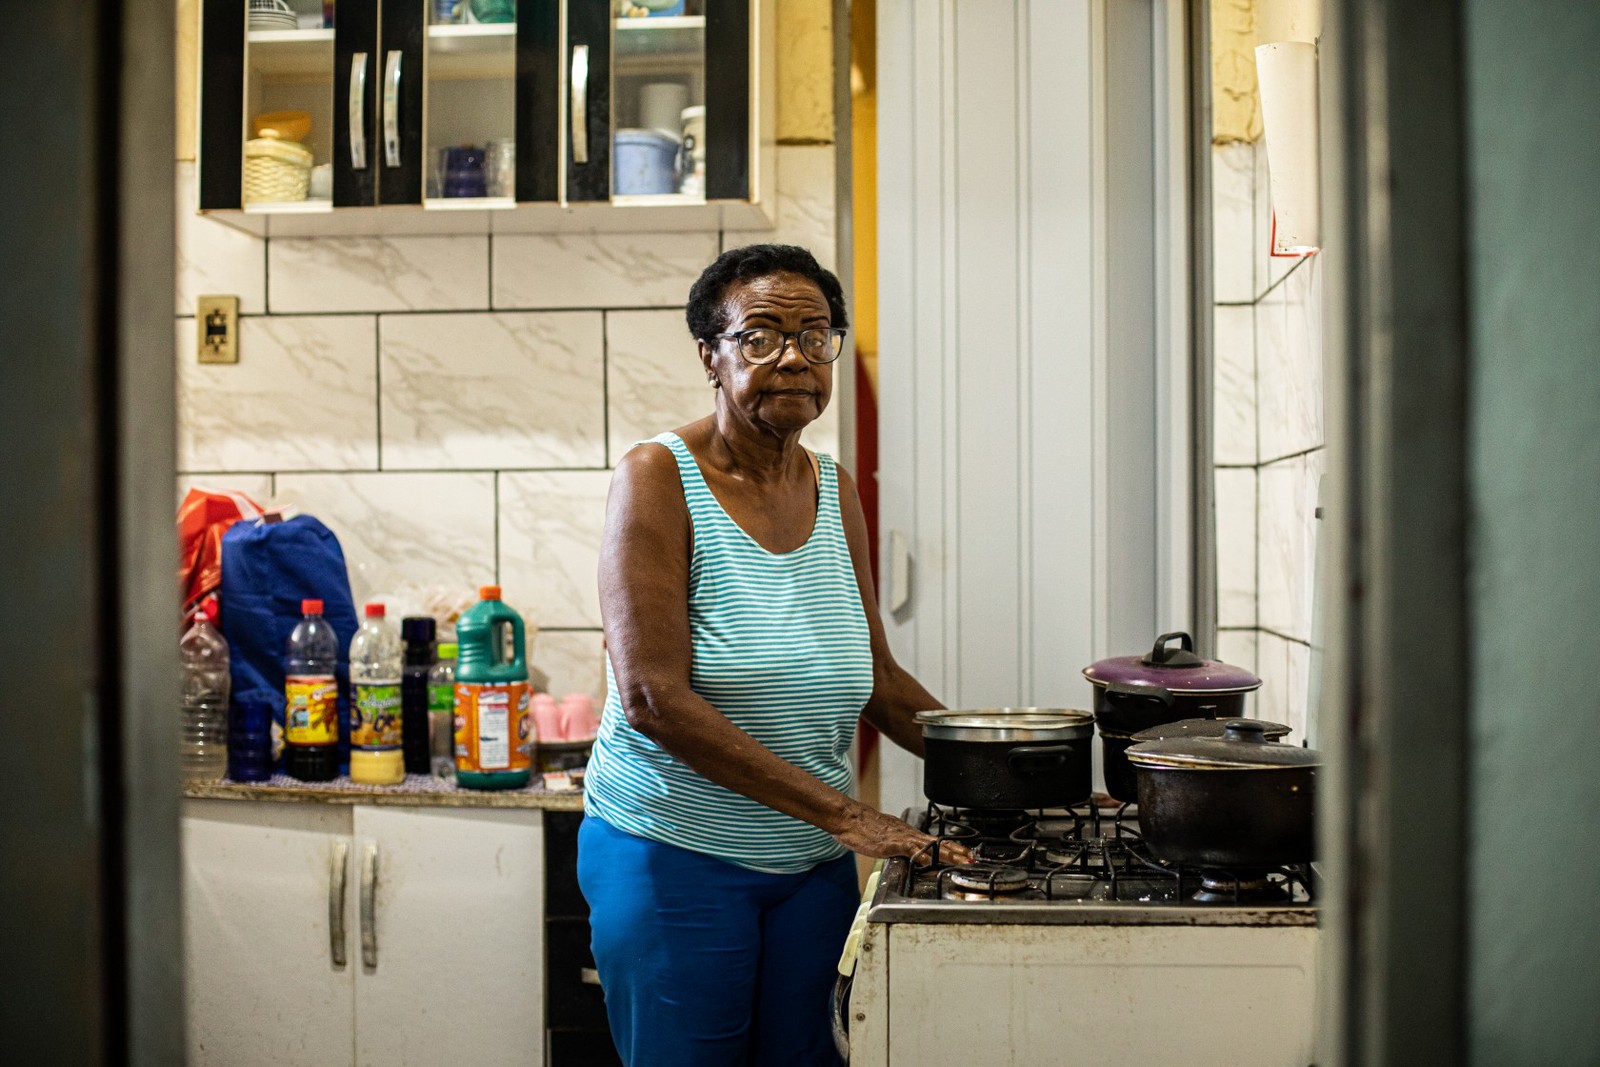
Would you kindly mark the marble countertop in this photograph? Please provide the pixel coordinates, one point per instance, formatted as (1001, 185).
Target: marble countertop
(416, 791)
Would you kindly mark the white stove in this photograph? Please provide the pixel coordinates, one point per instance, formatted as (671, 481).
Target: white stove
(1067, 941)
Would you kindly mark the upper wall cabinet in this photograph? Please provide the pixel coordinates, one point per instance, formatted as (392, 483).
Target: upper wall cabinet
(459, 116)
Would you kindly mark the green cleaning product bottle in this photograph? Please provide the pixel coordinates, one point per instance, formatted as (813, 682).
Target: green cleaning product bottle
(494, 732)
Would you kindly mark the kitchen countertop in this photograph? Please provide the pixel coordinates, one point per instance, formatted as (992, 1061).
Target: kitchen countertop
(417, 791)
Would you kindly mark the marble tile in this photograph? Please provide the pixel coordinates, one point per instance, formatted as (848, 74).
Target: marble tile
(654, 378)
(1287, 494)
(1289, 365)
(256, 486)
(404, 533)
(1233, 404)
(1236, 546)
(1269, 269)
(539, 271)
(213, 259)
(573, 661)
(1237, 647)
(550, 527)
(806, 209)
(378, 273)
(1299, 682)
(1271, 701)
(507, 389)
(303, 396)
(1233, 222)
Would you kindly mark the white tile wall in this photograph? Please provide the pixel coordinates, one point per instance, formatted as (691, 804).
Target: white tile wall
(805, 204)
(1233, 175)
(378, 274)
(1268, 269)
(1287, 519)
(1272, 665)
(550, 525)
(502, 390)
(404, 531)
(256, 486)
(303, 396)
(599, 270)
(1289, 363)
(573, 661)
(655, 379)
(1237, 647)
(1234, 385)
(213, 259)
(1236, 546)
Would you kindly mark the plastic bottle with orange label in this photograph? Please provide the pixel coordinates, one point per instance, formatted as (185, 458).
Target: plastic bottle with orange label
(375, 702)
(494, 730)
(311, 690)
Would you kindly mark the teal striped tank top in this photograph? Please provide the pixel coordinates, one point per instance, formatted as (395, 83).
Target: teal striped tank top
(780, 646)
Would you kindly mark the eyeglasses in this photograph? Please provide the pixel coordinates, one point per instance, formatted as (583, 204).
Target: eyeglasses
(763, 346)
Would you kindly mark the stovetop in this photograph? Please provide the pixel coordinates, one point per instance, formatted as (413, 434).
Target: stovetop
(1085, 864)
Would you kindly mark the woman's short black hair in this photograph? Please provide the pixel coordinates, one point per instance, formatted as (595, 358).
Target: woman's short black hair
(704, 312)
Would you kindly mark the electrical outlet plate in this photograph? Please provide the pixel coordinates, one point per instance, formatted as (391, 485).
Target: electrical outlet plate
(216, 320)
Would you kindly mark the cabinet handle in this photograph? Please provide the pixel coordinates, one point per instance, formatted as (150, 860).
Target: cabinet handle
(391, 108)
(580, 103)
(369, 917)
(338, 879)
(356, 107)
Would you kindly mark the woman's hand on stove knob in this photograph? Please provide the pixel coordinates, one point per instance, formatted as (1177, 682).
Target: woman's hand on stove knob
(870, 832)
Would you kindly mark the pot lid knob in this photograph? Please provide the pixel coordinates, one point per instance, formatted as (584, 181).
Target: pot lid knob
(1249, 730)
(1164, 655)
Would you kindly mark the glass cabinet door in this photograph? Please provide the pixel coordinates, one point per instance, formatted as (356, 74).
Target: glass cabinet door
(658, 100)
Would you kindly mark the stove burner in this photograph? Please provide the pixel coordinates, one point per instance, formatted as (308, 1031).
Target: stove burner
(1235, 887)
(986, 882)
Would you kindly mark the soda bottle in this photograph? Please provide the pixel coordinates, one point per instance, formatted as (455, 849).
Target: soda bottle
(375, 707)
(442, 711)
(204, 731)
(417, 633)
(494, 732)
(311, 690)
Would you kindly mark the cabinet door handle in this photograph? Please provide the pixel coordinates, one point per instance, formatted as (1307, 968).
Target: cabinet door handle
(338, 879)
(391, 108)
(580, 103)
(357, 109)
(369, 906)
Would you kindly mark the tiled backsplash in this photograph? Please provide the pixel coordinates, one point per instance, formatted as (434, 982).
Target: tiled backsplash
(1268, 444)
(452, 406)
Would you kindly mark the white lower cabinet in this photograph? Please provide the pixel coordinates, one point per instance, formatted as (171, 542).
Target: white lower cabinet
(323, 935)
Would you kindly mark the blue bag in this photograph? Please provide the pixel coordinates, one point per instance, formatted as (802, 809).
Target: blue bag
(267, 570)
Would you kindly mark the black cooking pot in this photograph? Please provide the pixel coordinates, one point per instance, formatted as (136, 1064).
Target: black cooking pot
(1121, 783)
(1233, 801)
(1007, 758)
(1170, 683)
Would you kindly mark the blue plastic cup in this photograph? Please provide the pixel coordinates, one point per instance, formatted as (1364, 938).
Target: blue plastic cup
(250, 739)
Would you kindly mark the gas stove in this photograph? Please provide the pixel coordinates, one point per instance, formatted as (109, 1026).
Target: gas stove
(1084, 864)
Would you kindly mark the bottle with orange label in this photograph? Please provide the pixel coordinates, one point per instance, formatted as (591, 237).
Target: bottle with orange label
(375, 702)
(494, 731)
(311, 716)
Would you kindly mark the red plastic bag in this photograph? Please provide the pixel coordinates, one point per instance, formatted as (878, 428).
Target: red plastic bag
(203, 518)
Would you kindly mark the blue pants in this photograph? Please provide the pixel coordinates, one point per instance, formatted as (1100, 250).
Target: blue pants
(708, 964)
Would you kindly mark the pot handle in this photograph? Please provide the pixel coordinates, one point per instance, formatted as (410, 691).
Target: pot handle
(1249, 730)
(1183, 656)
(1035, 759)
(1154, 694)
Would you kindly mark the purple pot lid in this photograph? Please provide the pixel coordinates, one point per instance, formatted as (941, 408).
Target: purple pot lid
(1177, 670)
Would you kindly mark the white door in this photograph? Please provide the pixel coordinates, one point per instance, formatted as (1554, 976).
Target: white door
(263, 983)
(458, 925)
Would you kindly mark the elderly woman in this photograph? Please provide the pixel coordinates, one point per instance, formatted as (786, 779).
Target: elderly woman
(745, 645)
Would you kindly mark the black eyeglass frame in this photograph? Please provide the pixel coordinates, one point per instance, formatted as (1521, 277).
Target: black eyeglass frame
(836, 332)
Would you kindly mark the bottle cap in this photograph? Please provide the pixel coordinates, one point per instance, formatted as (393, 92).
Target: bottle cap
(417, 629)
(210, 609)
(311, 607)
(449, 650)
(488, 592)
(375, 611)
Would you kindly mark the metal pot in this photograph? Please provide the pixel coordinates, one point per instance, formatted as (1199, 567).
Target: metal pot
(1233, 801)
(1133, 693)
(1007, 758)
(1121, 783)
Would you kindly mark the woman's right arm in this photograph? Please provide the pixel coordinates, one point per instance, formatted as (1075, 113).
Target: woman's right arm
(644, 601)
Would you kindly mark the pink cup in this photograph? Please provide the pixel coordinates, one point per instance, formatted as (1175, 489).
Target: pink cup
(547, 718)
(578, 720)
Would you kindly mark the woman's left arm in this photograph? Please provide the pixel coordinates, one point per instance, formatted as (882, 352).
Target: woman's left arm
(896, 695)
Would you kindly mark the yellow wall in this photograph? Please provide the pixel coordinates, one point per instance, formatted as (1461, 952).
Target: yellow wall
(1235, 104)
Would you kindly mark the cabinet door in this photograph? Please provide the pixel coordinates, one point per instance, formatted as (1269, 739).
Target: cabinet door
(221, 110)
(729, 90)
(538, 101)
(262, 983)
(457, 928)
(588, 96)
(356, 70)
(402, 31)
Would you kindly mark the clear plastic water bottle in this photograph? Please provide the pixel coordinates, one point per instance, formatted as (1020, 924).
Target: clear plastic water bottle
(204, 733)
(442, 711)
(375, 707)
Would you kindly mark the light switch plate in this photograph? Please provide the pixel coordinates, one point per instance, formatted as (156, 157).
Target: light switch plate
(216, 320)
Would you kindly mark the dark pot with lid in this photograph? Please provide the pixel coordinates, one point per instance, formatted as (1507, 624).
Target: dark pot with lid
(1234, 801)
(1007, 758)
(1168, 684)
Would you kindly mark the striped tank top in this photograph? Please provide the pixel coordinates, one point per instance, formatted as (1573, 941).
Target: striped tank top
(780, 646)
